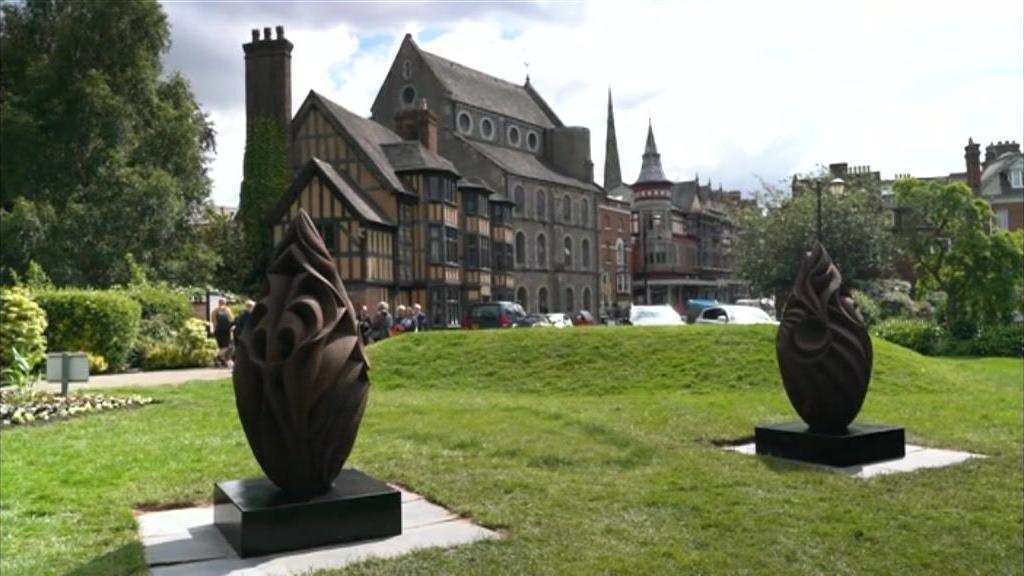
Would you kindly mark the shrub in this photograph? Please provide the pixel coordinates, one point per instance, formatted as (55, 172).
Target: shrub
(867, 306)
(991, 341)
(189, 347)
(893, 298)
(164, 303)
(22, 326)
(97, 364)
(920, 335)
(104, 323)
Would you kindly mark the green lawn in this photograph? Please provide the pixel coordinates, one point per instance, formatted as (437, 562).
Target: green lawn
(591, 448)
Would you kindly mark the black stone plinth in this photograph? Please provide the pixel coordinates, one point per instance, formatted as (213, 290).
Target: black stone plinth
(256, 518)
(860, 444)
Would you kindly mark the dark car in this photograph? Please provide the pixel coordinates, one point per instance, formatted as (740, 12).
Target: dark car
(583, 318)
(496, 315)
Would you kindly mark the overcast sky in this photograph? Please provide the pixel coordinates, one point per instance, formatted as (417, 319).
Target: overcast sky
(738, 91)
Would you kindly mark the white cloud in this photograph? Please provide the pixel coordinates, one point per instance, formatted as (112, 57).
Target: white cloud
(735, 89)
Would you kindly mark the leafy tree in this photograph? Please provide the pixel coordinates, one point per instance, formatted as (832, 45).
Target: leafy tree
(265, 179)
(943, 233)
(774, 236)
(103, 156)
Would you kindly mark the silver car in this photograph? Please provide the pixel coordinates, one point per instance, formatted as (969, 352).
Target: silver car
(663, 315)
(730, 314)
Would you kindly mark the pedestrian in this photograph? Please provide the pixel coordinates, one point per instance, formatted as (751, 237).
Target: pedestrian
(419, 318)
(382, 323)
(242, 321)
(221, 321)
(365, 325)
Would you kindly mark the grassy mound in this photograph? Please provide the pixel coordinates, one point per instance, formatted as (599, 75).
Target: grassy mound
(594, 449)
(607, 361)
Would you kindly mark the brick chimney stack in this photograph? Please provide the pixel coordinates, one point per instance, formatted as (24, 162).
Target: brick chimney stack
(993, 151)
(268, 79)
(418, 123)
(972, 155)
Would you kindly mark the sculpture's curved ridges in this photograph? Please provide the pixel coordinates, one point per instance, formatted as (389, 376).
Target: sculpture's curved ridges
(823, 347)
(300, 369)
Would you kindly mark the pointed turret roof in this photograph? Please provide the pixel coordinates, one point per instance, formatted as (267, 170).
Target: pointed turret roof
(612, 171)
(651, 170)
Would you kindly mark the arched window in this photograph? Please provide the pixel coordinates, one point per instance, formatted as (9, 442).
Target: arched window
(569, 304)
(542, 251)
(519, 197)
(521, 296)
(620, 253)
(585, 254)
(542, 211)
(542, 300)
(566, 209)
(520, 249)
(586, 299)
(568, 252)
(584, 212)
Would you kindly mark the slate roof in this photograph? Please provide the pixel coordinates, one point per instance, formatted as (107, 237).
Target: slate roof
(477, 183)
(370, 137)
(484, 91)
(411, 155)
(995, 178)
(340, 184)
(650, 170)
(523, 164)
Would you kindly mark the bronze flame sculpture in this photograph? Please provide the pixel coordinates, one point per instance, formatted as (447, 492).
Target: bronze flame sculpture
(300, 373)
(823, 347)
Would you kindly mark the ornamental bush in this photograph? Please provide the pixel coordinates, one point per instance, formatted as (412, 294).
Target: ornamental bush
(100, 322)
(189, 347)
(867, 306)
(920, 335)
(173, 307)
(22, 326)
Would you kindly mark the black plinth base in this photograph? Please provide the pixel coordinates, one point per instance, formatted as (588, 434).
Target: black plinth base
(257, 519)
(861, 444)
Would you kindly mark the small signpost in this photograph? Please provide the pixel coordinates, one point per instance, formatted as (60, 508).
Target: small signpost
(65, 367)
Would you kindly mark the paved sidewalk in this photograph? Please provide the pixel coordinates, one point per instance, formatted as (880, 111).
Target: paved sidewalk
(154, 378)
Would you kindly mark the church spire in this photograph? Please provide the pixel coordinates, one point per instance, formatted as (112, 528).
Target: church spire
(651, 170)
(612, 172)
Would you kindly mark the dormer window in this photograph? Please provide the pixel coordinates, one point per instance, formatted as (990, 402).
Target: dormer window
(1017, 178)
(532, 141)
(513, 136)
(465, 122)
(487, 129)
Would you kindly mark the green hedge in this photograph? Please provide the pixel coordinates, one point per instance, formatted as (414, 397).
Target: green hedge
(189, 347)
(173, 307)
(929, 338)
(105, 323)
(22, 326)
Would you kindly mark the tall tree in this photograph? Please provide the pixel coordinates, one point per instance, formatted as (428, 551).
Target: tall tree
(943, 233)
(774, 236)
(102, 156)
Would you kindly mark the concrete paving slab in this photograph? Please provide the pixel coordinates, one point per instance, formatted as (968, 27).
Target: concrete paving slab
(185, 542)
(916, 458)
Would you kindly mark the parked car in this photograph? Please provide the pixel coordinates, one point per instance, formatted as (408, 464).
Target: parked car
(663, 315)
(583, 318)
(539, 321)
(695, 306)
(559, 320)
(728, 314)
(496, 315)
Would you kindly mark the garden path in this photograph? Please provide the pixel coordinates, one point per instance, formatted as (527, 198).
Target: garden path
(152, 378)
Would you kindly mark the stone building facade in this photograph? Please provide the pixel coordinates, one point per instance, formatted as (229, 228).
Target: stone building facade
(506, 136)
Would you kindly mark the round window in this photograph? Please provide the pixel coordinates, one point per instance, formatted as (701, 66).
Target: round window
(513, 135)
(408, 95)
(487, 128)
(532, 140)
(465, 122)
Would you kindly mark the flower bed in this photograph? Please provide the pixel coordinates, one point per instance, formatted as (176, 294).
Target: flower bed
(17, 408)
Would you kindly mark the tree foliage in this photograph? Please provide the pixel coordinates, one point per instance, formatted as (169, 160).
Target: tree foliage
(943, 233)
(774, 236)
(102, 156)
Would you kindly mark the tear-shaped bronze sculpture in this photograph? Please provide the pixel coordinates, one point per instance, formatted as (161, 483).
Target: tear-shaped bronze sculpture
(300, 371)
(823, 347)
